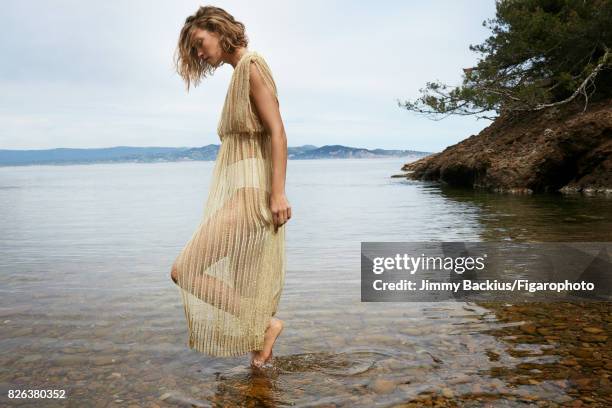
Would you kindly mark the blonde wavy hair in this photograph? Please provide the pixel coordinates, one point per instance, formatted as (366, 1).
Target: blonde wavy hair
(231, 36)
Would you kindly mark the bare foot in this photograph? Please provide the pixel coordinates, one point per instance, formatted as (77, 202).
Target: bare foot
(261, 357)
(255, 359)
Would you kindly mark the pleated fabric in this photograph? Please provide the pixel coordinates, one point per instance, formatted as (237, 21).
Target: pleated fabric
(232, 271)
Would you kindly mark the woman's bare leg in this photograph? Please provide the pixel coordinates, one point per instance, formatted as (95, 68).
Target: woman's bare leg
(211, 290)
(274, 329)
(222, 226)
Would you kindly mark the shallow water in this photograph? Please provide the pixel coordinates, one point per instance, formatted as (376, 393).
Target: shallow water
(88, 306)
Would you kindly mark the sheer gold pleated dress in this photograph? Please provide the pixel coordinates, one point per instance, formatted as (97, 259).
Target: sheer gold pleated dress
(232, 270)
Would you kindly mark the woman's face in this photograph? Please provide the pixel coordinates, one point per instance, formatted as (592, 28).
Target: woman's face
(207, 46)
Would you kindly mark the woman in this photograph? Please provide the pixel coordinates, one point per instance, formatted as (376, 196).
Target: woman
(231, 272)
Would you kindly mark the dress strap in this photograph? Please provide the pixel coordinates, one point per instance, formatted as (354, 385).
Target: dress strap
(244, 77)
(264, 70)
(238, 115)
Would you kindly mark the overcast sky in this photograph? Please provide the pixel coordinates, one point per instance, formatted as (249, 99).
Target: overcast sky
(100, 73)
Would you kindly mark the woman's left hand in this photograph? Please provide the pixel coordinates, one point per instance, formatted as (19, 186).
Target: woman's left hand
(281, 209)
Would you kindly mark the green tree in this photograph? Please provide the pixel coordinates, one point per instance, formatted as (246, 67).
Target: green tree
(541, 53)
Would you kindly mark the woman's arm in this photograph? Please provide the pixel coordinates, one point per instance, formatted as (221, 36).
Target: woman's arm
(267, 108)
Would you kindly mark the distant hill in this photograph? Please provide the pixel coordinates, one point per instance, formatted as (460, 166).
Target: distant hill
(345, 152)
(123, 154)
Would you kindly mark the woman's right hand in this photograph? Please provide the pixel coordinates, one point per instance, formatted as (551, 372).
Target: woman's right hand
(281, 210)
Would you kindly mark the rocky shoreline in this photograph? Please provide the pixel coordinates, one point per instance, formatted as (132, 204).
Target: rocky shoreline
(559, 149)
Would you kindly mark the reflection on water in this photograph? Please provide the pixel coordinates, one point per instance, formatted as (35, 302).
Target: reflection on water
(88, 306)
(538, 218)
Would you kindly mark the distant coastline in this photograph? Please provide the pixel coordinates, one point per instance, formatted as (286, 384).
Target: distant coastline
(128, 154)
